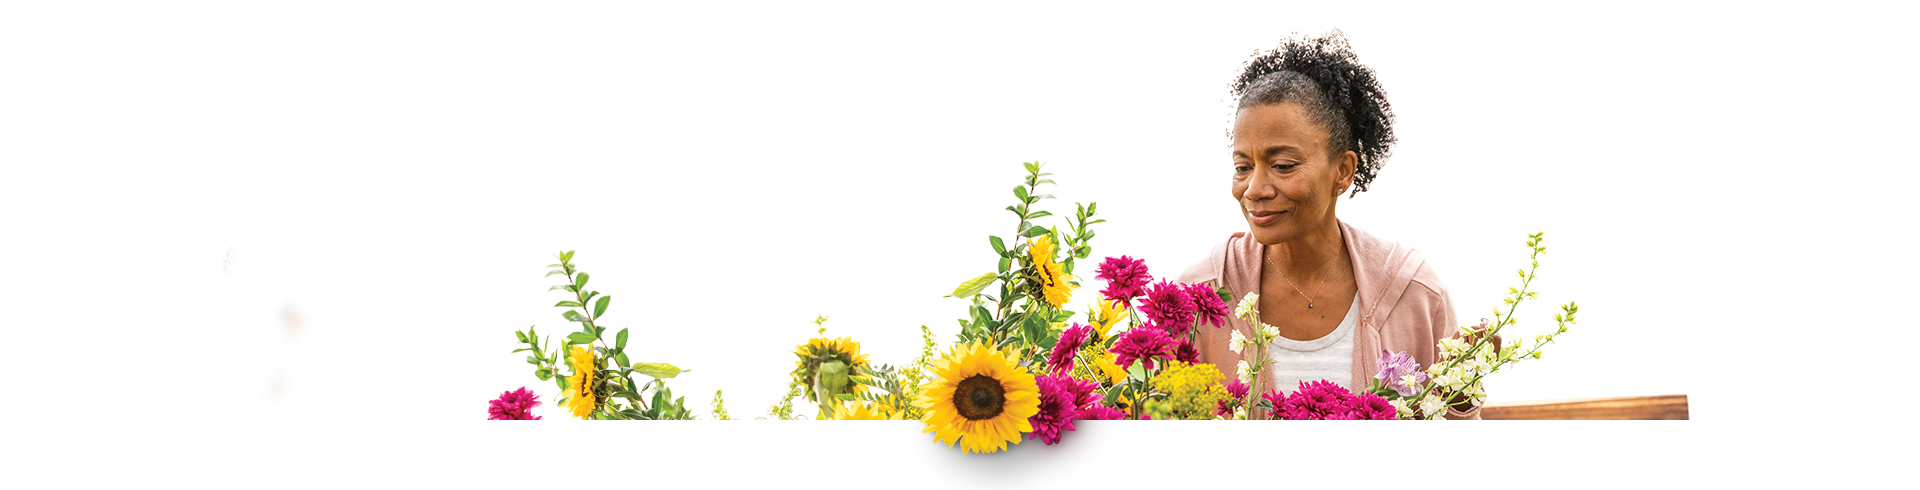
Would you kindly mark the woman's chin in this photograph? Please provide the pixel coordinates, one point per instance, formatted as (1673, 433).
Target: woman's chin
(1271, 234)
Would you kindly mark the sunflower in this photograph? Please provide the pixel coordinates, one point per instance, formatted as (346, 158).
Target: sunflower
(579, 398)
(865, 410)
(1054, 284)
(832, 365)
(979, 398)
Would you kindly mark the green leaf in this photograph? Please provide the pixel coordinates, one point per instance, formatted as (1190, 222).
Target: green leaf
(600, 307)
(1032, 167)
(1020, 191)
(620, 340)
(1036, 230)
(622, 358)
(1039, 214)
(580, 280)
(658, 370)
(580, 338)
(1082, 252)
(567, 304)
(533, 361)
(562, 287)
(999, 247)
(973, 286)
(566, 256)
(562, 381)
(573, 316)
(543, 373)
(1036, 328)
(1004, 262)
(520, 335)
(556, 272)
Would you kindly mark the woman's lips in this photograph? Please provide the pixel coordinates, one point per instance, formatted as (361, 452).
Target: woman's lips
(1263, 218)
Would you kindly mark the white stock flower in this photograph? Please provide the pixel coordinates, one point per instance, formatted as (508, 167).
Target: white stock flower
(1237, 343)
(1244, 373)
(1400, 408)
(1432, 406)
(1247, 305)
(1269, 331)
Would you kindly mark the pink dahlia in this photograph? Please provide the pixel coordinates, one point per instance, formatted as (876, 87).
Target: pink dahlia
(1186, 352)
(1236, 391)
(1368, 406)
(514, 405)
(1276, 399)
(1066, 346)
(1317, 400)
(1207, 303)
(1169, 306)
(1143, 343)
(1124, 275)
(1063, 400)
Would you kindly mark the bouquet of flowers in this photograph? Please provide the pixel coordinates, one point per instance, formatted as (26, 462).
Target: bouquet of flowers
(600, 374)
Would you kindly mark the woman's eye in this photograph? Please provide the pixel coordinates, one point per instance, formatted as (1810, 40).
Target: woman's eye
(1241, 168)
(1284, 167)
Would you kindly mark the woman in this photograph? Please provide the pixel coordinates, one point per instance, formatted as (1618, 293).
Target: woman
(1311, 124)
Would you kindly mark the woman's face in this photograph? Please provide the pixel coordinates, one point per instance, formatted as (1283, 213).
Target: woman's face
(1283, 177)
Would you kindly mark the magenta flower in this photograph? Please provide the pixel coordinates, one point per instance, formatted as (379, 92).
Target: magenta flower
(1276, 399)
(1125, 276)
(1101, 412)
(1186, 352)
(1063, 400)
(514, 405)
(1143, 343)
(1318, 400)
(1207, 303)
(1368, 406)
(1069, 343)
(1169, 306)
(1236, 391)
(1395, 366)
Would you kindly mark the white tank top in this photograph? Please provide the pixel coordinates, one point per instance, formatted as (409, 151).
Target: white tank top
(1329, 357)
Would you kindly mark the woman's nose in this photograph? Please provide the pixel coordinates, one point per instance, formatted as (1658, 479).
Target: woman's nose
(1260, 187)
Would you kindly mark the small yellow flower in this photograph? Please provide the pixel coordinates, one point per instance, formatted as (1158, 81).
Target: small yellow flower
(865, 410)
(579, 395)
(1105, 315)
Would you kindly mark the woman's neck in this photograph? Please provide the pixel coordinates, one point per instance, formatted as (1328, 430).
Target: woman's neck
(1310, 256)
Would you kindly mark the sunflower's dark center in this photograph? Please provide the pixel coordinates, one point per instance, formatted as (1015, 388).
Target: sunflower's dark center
(979, 397)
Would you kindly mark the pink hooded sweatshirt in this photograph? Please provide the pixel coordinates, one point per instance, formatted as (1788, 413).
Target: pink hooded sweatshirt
(1403, 306)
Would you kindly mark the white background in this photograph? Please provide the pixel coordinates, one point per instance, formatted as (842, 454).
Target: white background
(340, 211)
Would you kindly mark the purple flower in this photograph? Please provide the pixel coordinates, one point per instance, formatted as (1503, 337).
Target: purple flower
(1124, 275)
(514, 405)
(1169, 306)
(1143, 343)
(1069, 343)
(1207, 303)
(1395, 366)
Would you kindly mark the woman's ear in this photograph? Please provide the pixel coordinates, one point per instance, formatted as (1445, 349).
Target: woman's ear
(1348, 164)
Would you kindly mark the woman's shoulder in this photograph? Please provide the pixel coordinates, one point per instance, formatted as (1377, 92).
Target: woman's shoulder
(1383, 260)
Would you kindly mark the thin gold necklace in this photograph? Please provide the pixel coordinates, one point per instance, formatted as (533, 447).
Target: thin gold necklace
(1296, 287)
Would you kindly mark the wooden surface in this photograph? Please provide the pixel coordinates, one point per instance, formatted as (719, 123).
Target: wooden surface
(1661, 407)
